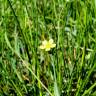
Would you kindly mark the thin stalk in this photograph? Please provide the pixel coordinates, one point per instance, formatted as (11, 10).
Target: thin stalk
(16, 18)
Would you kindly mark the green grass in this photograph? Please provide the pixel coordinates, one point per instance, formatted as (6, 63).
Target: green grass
(69, 69)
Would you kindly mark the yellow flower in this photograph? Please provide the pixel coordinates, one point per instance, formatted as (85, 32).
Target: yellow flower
(47, 45)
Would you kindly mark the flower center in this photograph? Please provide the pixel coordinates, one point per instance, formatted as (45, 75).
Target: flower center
(48, 45)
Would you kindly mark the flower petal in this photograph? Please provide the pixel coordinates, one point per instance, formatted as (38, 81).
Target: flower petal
(42, 47)
(51, 41)
(53, 45)
(47, 49)
(44, 42)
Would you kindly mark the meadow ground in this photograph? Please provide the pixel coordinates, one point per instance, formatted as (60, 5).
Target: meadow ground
(47, 47)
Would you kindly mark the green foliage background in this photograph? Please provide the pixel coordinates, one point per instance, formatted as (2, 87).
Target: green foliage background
(67, 70)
